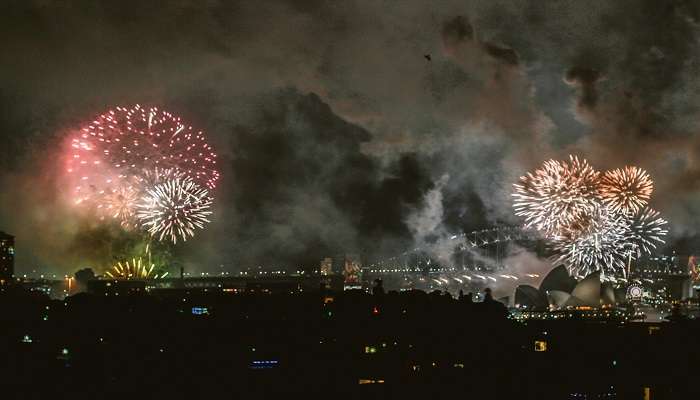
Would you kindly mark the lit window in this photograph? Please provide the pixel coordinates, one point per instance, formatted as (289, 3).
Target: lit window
(200, 311)
(540, 345)
(370, 381)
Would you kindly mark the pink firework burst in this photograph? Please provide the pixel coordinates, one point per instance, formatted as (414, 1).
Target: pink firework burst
(122, 146)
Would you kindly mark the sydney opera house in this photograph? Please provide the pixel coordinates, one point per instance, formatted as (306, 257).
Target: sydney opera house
(560, 291)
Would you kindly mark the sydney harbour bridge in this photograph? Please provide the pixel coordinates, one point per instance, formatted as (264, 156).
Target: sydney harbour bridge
(469, 261)
(476, 250)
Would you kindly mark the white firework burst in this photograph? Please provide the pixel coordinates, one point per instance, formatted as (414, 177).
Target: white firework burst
(597, 243)
(556, 195)
(647, 230)
(175, 209)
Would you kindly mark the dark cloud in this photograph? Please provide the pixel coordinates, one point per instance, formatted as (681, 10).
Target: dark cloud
(505, 54)
(456, 31)
(585, 79)
(301, 188)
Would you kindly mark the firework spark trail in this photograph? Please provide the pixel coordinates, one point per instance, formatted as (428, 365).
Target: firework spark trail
(134, 269)
(175, 209)
(120, 145)
(556, 195)
(626, 190)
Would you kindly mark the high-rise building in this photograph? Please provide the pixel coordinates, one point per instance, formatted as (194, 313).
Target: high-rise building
(7, 257)
(352, 271)
(327, 266)
(346, 266)
(338, 263)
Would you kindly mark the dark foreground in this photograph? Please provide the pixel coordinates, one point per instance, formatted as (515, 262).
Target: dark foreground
(410, 345)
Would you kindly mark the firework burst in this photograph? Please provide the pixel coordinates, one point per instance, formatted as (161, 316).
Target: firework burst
(120, 204)
(175, 209)
(593, 223)
(597, 242)
(134, 269)
(556, 195)
(646, 230)
(156, 176)
(626, 190)
(145, 168)
(117, 147)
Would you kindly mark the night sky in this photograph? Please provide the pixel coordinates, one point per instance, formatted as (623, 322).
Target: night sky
(357, 126)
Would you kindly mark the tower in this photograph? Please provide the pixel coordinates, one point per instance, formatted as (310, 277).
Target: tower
(352, 271)
(7, 258)
(326, 266)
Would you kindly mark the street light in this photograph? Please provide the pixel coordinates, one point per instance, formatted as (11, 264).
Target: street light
(70, 284)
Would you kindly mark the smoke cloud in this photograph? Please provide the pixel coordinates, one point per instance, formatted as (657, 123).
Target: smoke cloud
(353, 126)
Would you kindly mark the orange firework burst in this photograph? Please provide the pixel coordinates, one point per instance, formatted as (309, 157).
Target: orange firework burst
(626, 190)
